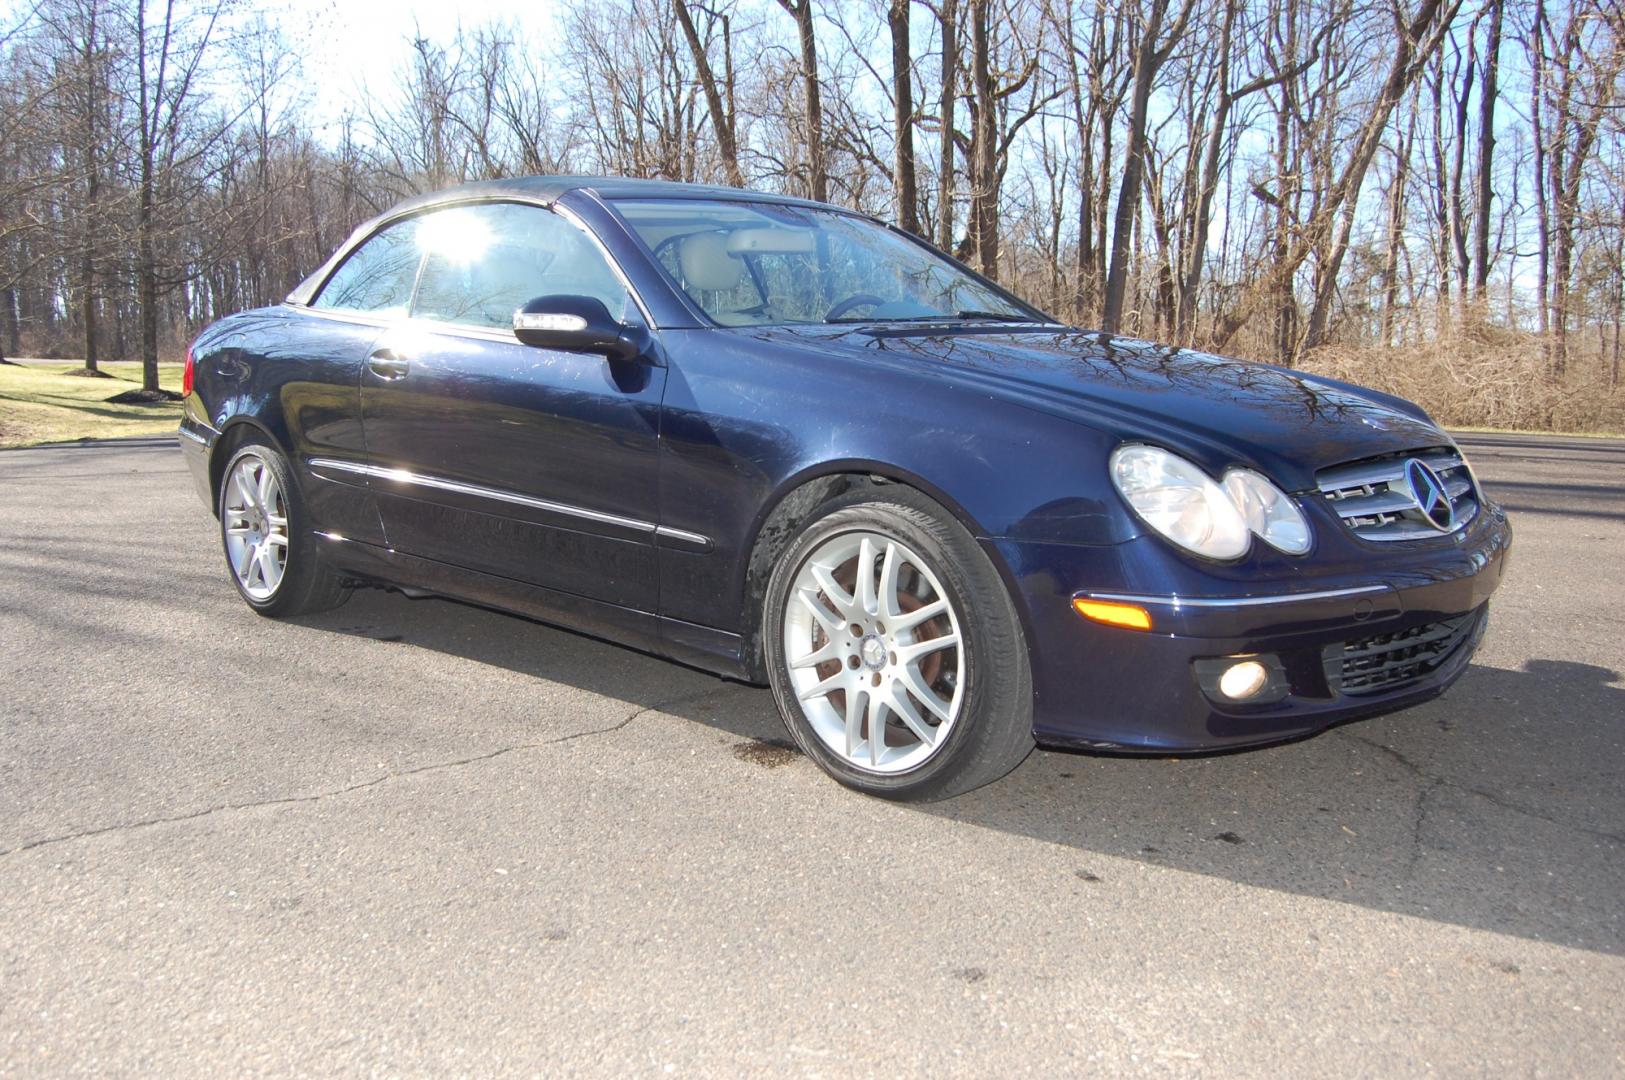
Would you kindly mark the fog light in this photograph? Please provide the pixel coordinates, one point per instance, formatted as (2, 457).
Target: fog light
(1243, 680)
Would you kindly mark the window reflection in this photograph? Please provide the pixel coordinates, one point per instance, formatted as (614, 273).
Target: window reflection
(474, 265)
(378, 276)
(483, 263)
(752, 264)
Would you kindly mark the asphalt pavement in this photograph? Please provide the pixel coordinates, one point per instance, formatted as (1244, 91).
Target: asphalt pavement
(412, 836)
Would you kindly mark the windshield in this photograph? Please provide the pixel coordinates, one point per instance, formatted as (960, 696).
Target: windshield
(756, 264)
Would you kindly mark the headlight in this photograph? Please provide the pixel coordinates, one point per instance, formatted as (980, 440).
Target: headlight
(1180, 501)
(1268, 511)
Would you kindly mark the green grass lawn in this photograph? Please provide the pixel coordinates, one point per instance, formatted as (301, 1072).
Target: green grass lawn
(39, 404)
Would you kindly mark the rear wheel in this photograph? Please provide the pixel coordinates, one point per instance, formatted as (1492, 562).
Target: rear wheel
(894, 651)
(269, 550)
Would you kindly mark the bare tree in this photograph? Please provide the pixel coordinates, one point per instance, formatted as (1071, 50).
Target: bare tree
(1485, 183)
(948, 18)
(904, 177)
(173, 131)
(1299, 180)
(812, 97)
(722, 115)
(1156, 45)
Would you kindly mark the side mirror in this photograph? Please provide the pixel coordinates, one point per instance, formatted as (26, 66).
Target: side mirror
(578, 324)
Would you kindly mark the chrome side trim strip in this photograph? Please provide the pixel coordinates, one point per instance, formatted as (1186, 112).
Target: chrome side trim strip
(1235, 601)
(406, 476)
(341, 466)
(682, 536)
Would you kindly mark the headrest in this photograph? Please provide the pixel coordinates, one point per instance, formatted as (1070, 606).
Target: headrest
(706, 264)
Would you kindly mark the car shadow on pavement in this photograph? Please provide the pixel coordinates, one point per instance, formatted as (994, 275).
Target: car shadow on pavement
(1497, 807)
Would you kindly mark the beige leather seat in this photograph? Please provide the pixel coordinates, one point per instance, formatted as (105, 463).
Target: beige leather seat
(707, 266)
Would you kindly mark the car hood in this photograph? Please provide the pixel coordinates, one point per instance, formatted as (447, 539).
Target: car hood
(1217, 410)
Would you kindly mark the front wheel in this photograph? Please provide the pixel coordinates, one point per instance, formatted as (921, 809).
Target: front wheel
(894, 651)
(269, 549)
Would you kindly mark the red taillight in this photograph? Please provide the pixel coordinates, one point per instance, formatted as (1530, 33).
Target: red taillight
(186, 374)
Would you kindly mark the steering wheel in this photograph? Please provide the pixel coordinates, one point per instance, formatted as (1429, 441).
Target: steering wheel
(856, 300)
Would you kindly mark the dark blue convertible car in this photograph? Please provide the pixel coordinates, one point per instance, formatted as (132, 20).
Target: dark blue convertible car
(790, 444)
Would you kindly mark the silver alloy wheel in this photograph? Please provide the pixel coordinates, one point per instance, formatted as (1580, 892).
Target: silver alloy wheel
(875, 652)
(255, 519)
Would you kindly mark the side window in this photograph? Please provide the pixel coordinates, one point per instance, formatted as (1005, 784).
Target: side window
(378, 276)
(483, 263)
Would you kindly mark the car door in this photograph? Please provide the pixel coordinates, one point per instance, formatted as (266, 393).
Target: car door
(532, 464)
(318, 364)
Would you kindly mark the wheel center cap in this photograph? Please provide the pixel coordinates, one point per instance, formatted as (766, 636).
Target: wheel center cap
(874, 652)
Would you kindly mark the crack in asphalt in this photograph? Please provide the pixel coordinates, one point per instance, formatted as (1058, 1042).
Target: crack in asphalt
(292, 800)
(1419, 819)
(1435, 782)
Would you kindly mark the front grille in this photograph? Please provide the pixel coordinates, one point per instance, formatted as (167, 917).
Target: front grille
(1375, 502)
(1381, 662)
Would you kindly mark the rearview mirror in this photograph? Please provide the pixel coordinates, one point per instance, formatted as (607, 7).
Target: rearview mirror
(578, 324)
(771, 241)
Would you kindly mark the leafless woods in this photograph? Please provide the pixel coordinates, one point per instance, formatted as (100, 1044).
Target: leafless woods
(1425, 194)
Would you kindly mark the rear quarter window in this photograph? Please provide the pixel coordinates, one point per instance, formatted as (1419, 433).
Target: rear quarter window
(378, 276)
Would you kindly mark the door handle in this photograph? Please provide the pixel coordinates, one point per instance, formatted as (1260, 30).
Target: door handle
(387, 365)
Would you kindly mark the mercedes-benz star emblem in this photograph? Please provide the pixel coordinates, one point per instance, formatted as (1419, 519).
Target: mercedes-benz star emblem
(1430, 495)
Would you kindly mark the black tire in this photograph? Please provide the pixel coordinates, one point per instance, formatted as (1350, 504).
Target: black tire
(307, 585)
(993, 730)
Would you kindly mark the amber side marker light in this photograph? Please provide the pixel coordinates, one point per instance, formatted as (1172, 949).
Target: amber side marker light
(1104, 611)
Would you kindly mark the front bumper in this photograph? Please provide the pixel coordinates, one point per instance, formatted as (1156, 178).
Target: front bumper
(1109, 688)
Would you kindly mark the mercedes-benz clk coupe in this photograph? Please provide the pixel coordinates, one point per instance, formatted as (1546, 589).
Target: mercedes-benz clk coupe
(786, 443)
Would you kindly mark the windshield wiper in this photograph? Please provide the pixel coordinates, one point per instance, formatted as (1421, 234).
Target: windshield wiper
(967, 313)
(995, 316)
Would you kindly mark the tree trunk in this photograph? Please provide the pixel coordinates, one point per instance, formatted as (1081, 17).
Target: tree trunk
(1396, 235)
(1486, 154)
(950, 95)
(1147, 59)
(1085, 114)
(1287, 189)
(1185, 305)
(721, 121)
(817, 177)
(146, 270)
(88, 218)
(1618, 301)
(1580, 109)
(147, 287)
(1543, 250)
(903, 174)
(8, 324)
(1427, 26)
(1441, 193)
(1458, 168)
(984, 206)
(87, 278)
